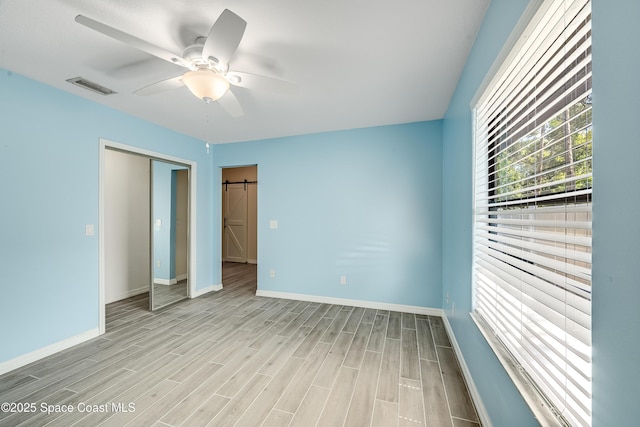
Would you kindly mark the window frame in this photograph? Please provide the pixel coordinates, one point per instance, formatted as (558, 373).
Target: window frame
(542, 408)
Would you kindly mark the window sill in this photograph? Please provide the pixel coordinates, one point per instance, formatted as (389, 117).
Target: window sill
(541, 409)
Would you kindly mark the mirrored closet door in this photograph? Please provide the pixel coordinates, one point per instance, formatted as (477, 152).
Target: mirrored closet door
(169, 234)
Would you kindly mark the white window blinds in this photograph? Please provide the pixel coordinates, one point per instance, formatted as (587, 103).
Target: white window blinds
(532, 218)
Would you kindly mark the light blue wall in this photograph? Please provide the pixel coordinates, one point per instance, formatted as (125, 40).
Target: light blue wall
(500, 397)
(49, 172)
(616, 205)
(363, 203)
(616, 229)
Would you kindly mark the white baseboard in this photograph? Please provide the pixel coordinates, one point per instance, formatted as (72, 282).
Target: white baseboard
(473, 391)
(43, 352)
(252, 261)
(351, 302)
(181, 277)
(199, 292)
(128, 294)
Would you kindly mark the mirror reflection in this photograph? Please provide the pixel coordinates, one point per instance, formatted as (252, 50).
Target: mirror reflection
(169, 242)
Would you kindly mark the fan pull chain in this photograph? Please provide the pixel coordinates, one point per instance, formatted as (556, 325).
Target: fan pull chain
(207, 113)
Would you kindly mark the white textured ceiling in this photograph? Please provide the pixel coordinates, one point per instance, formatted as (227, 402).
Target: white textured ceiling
(357, 63)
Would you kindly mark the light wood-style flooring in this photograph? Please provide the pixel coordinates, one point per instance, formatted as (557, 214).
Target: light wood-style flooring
(232, 358)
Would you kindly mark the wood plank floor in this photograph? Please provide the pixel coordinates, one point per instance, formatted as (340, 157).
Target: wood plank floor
(231, 358)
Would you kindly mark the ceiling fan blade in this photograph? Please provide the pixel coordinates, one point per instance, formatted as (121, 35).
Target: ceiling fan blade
(162, 86)
(131, 40)
(223, 39)
(231, 105)
(255, 81)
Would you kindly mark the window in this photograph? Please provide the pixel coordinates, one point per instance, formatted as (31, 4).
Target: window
(532, 207)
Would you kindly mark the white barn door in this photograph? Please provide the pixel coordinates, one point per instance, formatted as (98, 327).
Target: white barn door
(235, 222)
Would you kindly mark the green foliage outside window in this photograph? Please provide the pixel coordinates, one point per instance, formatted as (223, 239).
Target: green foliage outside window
(548, 159)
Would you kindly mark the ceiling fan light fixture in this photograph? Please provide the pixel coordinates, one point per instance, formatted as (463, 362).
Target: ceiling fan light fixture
(206, 84)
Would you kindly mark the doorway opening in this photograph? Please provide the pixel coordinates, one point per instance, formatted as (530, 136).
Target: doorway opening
(240, 225)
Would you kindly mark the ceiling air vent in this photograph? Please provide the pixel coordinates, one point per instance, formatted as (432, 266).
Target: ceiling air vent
(89, 85)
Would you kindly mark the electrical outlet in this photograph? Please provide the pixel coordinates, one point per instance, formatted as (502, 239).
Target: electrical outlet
(157, 263)
(272, 273)
(447, 297)
(343, 280)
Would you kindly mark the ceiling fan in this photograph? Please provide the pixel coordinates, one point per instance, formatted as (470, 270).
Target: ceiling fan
(209, 77)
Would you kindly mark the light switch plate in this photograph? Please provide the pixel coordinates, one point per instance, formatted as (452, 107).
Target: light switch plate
(89, 230)
(273, 224)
